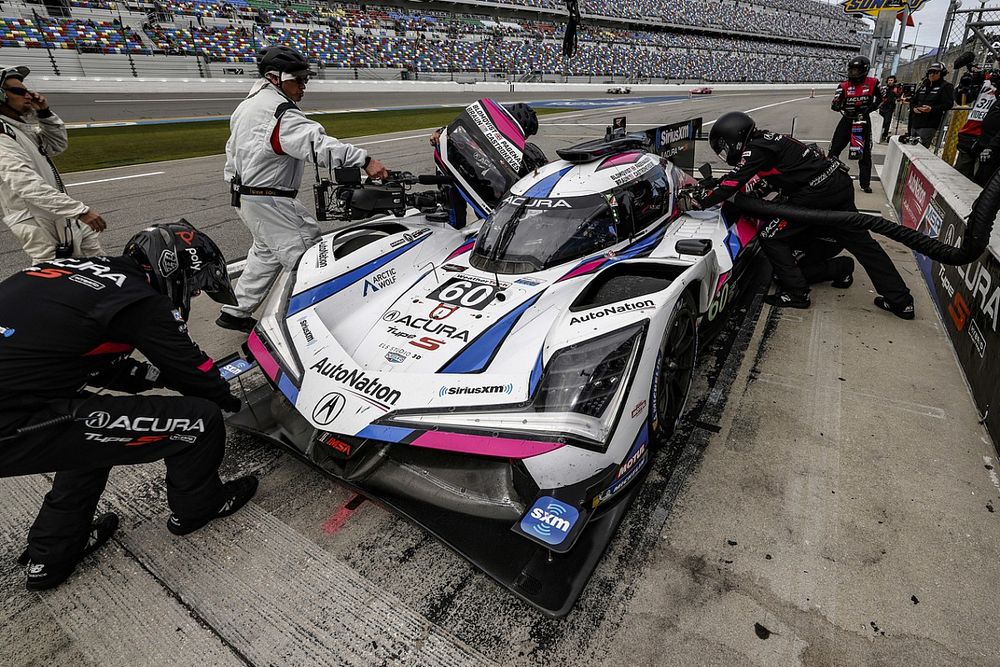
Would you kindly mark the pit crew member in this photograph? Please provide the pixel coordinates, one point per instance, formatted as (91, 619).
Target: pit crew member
(86, 317)
(34, 204)
(808, 179)
(975, 153)
(932, 98)
(891, 91)
(856, 98)
(270, 142)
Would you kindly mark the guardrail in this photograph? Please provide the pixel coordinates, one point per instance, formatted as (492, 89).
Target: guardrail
(930, 196)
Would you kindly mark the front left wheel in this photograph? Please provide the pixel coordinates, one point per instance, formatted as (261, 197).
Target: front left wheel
(675, 368)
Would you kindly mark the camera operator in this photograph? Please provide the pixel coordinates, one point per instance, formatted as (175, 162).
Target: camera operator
(33, 201)
(974, 138)
(270, 142)
(856, 98)
(932, 98)
(891, 91)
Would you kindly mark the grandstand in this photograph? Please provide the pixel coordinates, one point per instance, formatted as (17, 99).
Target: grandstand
(645, 40)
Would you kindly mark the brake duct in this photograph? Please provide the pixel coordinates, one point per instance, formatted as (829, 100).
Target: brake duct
(973, 242)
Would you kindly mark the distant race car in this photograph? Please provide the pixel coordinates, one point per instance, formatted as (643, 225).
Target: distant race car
(619, 90)
(704, 90)
(502, 385)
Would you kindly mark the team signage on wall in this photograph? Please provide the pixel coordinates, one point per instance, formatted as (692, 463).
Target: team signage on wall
(968, 297)
(876, 7)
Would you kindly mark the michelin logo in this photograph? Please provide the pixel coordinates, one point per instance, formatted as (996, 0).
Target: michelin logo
(550, 520)
(6, 332)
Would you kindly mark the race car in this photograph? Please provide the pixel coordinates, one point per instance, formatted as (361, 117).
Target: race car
(504, 385)
(619, 90)
(704, 90)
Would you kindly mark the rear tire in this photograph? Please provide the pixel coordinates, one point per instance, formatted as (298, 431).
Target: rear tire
(675, 369)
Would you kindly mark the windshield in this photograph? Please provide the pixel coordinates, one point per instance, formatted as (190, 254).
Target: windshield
(525, 234)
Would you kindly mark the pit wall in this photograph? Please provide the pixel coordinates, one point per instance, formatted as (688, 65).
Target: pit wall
(930, 196)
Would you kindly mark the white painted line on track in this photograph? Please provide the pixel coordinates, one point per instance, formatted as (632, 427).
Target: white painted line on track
(766, 106)
(386, 141)
(172, 99)
(116, 178)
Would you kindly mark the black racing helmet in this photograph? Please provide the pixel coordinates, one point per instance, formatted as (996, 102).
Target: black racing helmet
(730, 134)
(938, 67)
(525, 116)
(857, 69)
(180, 262)
(283, 59)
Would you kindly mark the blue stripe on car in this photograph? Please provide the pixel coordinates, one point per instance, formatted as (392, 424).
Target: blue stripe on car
(384, 433)
(301, 301)
(536, 375)
(288, 388)
(544, 187)
(477, 354)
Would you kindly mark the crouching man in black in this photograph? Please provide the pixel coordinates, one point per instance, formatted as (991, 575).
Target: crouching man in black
(72, 323)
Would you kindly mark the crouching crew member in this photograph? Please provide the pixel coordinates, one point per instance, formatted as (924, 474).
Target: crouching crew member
(85, 318)
(806, 178)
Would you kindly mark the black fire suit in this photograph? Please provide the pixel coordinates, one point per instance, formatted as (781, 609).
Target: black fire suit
(888, 107)
(70, 323)
(807, 179)
(856, 101)
(940, 97)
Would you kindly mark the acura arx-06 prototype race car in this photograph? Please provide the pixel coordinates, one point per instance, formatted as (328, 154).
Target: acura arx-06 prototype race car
(503, 385)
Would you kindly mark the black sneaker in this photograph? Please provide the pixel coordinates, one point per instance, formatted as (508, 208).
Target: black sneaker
(902, 312)
(244, 324)
(788, 300)
(867, 190)
(237, 493)
(846, 278)
(43, 576)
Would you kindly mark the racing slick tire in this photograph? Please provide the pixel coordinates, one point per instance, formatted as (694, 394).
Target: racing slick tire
(674, 369)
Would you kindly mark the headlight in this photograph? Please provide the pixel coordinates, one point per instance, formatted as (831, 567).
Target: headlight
(586, 378)
(272, 322)
(577, 402)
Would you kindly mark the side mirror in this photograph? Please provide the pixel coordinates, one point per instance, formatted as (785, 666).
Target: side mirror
(705, 170)
(698, 247)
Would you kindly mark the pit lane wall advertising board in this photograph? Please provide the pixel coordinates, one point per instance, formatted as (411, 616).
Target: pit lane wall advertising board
(930, 196)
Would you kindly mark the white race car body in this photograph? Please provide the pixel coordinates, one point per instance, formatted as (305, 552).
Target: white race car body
(523, 401)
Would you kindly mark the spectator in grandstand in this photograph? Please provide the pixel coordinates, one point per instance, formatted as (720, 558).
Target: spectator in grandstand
(270, 142)
(855, 99)
(890, 92)
(932, 98)
(810, 180)
(33, 201)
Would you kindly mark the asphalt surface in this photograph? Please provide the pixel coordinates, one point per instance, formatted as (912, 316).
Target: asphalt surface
(827, 501)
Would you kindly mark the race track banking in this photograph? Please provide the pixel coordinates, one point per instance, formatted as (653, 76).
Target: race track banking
(827, 501)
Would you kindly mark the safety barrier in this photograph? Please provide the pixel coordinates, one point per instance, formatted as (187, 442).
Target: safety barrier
(930, 196)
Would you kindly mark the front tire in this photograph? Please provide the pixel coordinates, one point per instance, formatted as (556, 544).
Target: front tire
(675, 369)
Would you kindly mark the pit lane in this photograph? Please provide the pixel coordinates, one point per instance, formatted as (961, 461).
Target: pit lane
(827, 501)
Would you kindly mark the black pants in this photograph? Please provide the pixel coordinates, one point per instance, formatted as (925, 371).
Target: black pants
(842, 137)
(817, 257)
(886, 113)
(836, 194)
(188, 433)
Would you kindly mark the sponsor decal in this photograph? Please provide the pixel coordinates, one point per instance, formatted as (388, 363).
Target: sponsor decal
(410, 236)
(637, 410)
(6, 332)
(627, 471)
(917, 192)
(442, 310)
(428, 325)
(87, 282)
(178, 317)
(613, 310)
(454, 268)
(633, 171)
(328, 408)
(427, 343)
(103, 420)
(530, 282)
(400, 334)
(379, 280)
(191, 439)
(187, 238)
(233, 369)
(391, 316)
(464, 391)
(395, 357)
(466, 291)
(722, 299)
(483, 123)
(168, 262)
(194, 258)
(304, 325)
(322, 255)
(977, 338)
(536, 203)
(357, 380)
(550, 520)
(337, 445)
(67, 267)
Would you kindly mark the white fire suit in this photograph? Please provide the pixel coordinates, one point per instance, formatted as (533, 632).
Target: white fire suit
(269, 144)
(34, 204)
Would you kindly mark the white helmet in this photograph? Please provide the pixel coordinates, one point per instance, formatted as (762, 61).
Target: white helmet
(20, 71)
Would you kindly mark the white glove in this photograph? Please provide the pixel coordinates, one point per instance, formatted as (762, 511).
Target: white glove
(985, 155)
